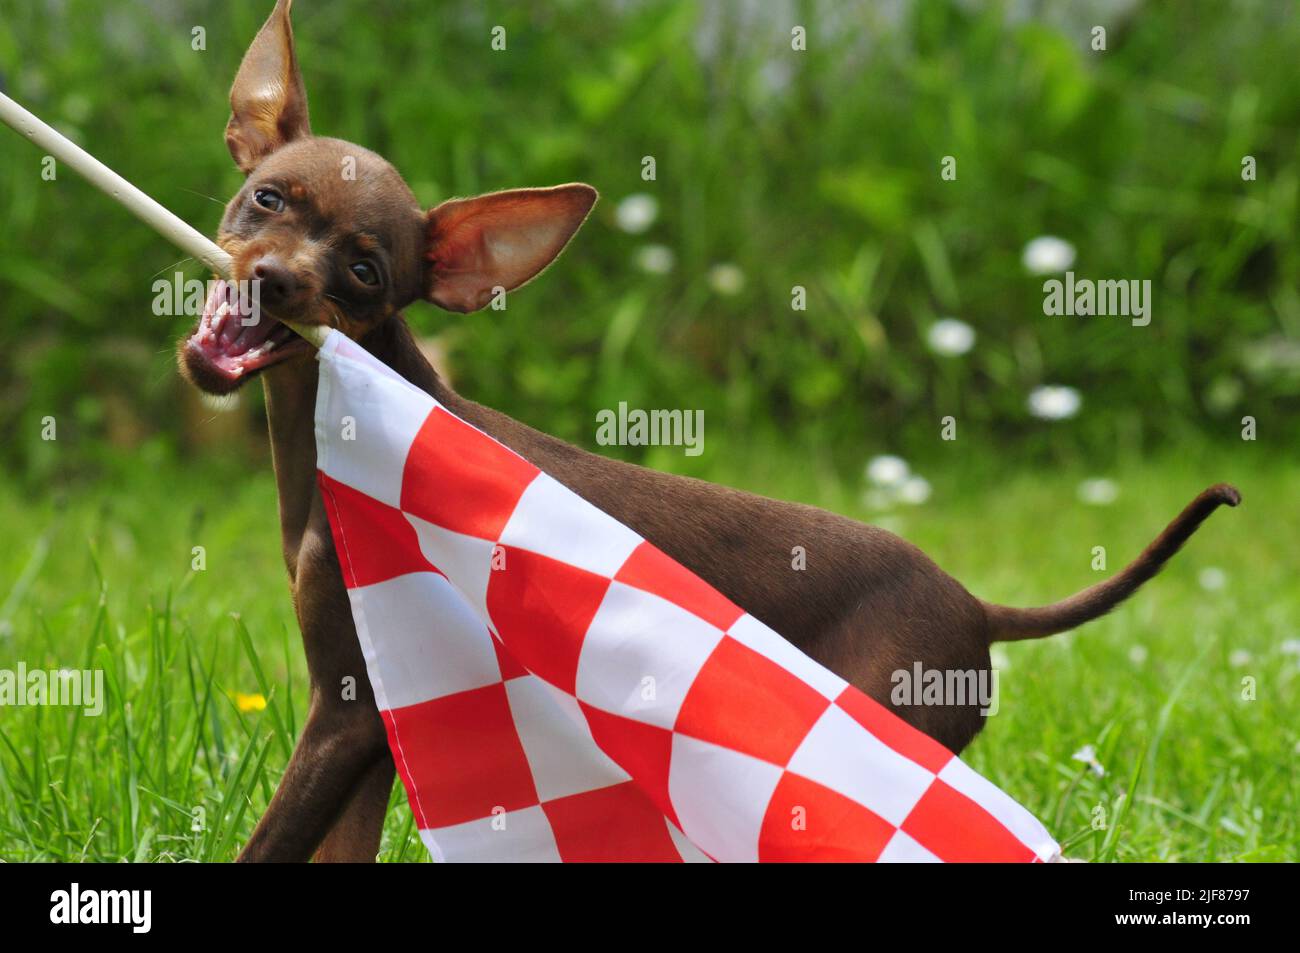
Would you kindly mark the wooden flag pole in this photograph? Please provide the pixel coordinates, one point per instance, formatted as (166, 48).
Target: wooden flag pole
(165, 223)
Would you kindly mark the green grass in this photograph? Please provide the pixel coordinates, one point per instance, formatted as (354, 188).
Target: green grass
(102, 579)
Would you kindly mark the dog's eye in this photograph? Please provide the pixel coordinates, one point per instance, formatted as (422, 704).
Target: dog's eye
(365, 272)
(269, 199)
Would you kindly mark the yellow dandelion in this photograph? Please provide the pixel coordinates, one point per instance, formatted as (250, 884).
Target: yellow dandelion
(254, 702)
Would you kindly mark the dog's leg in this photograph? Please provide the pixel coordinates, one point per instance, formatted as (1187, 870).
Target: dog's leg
(336, 753)
(354, 838)
(343, 750)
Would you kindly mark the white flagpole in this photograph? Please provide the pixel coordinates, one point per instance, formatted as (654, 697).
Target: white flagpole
(165, 223)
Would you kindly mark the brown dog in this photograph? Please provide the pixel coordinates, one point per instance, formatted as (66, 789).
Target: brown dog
(351, 250)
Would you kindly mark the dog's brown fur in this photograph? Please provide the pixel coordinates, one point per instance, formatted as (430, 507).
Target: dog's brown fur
(867, 604)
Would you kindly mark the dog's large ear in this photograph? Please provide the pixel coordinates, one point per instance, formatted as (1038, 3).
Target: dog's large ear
(501, 240)
(268, 105)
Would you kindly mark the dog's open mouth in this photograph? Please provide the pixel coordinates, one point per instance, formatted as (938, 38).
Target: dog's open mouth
(234, 340)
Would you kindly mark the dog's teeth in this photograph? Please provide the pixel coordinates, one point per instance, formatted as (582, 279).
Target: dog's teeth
(219, 318)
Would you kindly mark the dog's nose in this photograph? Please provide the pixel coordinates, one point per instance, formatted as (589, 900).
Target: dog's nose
(276, 282)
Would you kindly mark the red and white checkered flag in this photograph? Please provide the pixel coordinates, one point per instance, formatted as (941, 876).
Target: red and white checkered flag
(556, 688)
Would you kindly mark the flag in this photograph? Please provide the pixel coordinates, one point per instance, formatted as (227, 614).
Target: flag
(555, 688)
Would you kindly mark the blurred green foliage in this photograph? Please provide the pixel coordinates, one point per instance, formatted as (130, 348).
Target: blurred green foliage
(818, 168)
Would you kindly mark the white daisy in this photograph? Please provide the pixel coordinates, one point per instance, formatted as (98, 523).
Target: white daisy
(1054, 402)
(949, 337)
(1212, 578)
(726, 279)
(655, 259)
(1098, 491)
(636, 213)
(1088, 755)
(887, 470)
(914, 491)
(1047, 255)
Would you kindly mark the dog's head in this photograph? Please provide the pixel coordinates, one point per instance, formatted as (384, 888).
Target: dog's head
(326, 232)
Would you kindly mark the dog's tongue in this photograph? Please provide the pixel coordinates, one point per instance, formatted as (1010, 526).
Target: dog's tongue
(233, 335)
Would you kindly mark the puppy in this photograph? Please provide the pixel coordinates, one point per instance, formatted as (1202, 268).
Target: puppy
(330, 234)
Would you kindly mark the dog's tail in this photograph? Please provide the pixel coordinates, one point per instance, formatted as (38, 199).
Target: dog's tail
(1007, 624)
